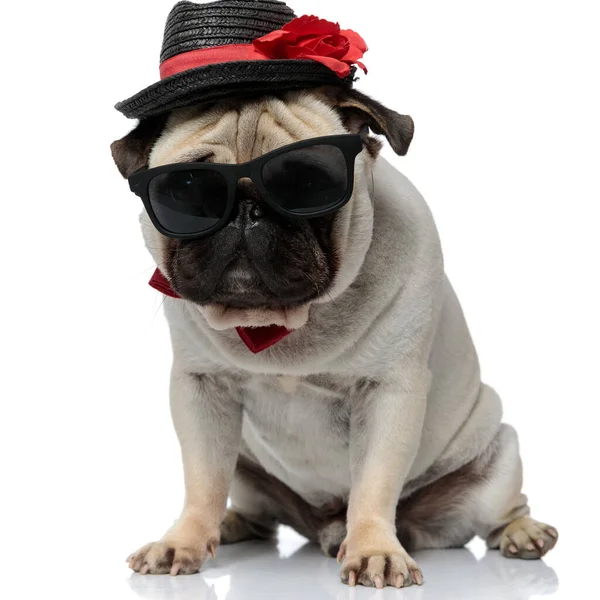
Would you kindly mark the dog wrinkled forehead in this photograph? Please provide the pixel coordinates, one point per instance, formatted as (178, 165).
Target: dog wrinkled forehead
(237, 132)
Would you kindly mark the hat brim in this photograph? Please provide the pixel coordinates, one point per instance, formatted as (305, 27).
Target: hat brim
(224, 80)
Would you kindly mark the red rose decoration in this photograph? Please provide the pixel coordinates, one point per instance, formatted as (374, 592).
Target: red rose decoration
(317, 39)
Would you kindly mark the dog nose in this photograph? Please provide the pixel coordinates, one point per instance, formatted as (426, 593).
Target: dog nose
(251, 213)
(255, 212)
(250, 207)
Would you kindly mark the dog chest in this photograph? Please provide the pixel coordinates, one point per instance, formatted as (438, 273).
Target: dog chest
(297, 428)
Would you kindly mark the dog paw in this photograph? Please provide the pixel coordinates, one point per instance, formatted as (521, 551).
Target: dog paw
(527, 539)
(377, 561)
(331, 538)
(172, 557)
(237, 528)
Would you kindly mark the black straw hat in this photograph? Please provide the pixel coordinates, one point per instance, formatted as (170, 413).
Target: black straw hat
(208, 54)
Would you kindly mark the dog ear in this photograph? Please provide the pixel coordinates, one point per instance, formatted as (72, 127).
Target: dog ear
(359, 110)
(131, 152)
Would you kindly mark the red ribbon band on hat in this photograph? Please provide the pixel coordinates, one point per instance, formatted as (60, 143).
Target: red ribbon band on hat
(256, 339)
(209, 56)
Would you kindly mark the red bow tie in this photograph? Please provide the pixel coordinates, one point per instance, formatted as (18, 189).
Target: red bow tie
(256, 338)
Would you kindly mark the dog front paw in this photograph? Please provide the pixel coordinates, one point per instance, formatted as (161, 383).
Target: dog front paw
(175, 554)
(374, 557)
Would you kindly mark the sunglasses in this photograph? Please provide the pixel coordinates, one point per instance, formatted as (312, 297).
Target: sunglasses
(307, 179)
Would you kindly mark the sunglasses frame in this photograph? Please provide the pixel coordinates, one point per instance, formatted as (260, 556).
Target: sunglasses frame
(351, 146)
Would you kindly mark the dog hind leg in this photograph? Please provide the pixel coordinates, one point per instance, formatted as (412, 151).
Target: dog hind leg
(481, 498)
(503, 513)
(251, 514)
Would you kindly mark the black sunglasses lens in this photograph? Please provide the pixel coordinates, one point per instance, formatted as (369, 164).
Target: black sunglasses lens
(308, 180)
(188, 202)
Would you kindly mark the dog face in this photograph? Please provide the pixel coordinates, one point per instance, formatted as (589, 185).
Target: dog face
(263, 269)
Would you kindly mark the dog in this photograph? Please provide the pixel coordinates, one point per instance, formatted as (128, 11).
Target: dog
(368, 429)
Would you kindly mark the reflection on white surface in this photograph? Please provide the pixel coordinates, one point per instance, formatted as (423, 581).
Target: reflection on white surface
(295, 570)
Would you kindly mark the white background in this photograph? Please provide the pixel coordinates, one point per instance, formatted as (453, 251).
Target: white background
(506, 102)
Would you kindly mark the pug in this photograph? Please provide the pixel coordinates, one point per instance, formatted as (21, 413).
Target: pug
(366, 427)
